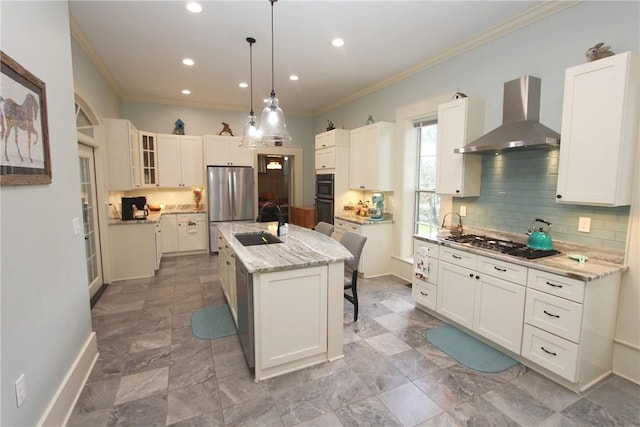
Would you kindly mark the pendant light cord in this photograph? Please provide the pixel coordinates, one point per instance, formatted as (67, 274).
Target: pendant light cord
(251, 41)
(273, 91)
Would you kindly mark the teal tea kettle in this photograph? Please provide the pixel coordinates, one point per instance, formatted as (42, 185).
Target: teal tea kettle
(539, 238)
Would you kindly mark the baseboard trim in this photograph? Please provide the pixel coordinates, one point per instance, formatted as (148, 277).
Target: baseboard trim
(61, 405)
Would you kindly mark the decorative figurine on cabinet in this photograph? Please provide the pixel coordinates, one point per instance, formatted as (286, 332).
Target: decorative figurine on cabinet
(226, 130)
(330, 125)
(458, 95)
(598, 51)
(179, 129)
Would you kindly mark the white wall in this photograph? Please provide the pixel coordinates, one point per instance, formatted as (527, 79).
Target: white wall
(44, 294)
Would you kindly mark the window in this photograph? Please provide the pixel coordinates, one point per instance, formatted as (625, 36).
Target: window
(427, 201)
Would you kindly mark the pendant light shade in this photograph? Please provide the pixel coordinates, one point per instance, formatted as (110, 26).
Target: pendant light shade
(272, 124)
(251, 134)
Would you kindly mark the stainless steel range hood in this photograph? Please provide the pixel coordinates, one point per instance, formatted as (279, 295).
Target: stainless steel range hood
(520, 126)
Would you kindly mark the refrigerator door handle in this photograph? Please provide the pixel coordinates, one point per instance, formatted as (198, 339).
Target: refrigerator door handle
(232, 192)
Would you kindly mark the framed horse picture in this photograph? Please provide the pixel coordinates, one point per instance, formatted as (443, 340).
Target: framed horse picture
(24, 135)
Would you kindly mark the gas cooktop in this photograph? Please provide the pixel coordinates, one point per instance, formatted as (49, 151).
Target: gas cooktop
(508, 247)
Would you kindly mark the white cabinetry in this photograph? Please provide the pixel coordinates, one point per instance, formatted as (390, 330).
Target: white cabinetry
(370, 157)
(425, 273)
(482, 294)
(184, 232)
(332, 149)
(570, 326)
(158, 241)
(220, 150)
(375, 259)
(180, 161)
(123, 154)
(459, 122)
(227, 268)
(132, 250)
(599, 132)
(290, 315)
(149, 159)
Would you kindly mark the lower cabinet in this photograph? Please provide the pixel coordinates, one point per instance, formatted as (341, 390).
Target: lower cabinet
(184, 232)
(132, 250)
(484, 295)
(375, 259)
(424, 283)
(227, 269)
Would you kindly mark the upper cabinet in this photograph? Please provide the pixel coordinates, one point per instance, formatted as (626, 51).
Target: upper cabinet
(370, 157)
(149, 159)
(180, 161)
(330, 147)
(459, 122)
(225, 151)
(599, 132)
(123, 154)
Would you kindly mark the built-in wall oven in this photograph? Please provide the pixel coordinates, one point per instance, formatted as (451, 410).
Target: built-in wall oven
(324, 198)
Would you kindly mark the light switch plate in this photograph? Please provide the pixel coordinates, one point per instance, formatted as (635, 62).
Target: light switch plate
(77, 229)
(584, 224)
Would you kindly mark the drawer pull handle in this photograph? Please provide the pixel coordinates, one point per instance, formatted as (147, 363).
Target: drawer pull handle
(422, 293)
(552, 315)
(456, 256)
(504, 270)
(228, 263)
(549, 352)
(555, 286)
(471, 275)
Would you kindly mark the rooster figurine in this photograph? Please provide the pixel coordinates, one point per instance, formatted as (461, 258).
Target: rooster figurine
(598, 51)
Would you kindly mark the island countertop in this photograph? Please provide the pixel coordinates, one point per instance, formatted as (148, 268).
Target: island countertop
(300, 248)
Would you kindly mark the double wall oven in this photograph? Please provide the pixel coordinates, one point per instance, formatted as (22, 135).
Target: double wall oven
(325, 198)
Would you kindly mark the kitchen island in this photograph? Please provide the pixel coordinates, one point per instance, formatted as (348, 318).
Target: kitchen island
(286, 298)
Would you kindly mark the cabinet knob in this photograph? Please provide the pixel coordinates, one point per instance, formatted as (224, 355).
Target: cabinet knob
(477, 277)
(457, 191)
(471, 275)
(558, 196)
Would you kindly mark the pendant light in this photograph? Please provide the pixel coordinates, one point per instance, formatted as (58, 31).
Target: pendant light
(251, 134)
(272, 125)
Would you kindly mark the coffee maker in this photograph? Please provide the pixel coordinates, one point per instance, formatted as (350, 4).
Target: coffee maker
(134, 208)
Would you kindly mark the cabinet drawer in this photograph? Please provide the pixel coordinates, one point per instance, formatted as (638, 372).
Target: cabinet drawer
(348, 226)
(555, 284)
(431, 247)
(553, 314)
(457, 257)
(503, 270)
(424, 293)
(198, 217)
(551, 352)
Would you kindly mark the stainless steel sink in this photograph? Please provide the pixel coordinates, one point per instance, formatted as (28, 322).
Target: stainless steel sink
(260, 238)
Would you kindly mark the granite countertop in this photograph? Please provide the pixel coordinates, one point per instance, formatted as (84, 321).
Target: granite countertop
(560, 264)
(387, 219)
(154, 216)
(301, 248)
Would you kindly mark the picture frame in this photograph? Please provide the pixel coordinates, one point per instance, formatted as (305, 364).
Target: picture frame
(25, 157)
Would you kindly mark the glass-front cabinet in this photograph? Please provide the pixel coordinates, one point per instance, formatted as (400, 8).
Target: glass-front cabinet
(149, 152)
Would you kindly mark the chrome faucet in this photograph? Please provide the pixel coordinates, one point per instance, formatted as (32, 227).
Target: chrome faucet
(280, 218)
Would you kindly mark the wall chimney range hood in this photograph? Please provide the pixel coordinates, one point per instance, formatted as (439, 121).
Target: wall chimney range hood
(520, 126)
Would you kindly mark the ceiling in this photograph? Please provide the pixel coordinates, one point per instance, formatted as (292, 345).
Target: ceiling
(138, 46)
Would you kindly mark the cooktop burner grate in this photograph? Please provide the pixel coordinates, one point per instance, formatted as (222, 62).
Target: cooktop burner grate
(508, 247)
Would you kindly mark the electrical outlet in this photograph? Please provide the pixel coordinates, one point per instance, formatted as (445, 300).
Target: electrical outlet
(584, 224)
(77, 229)
(21, 390)
(463, 210)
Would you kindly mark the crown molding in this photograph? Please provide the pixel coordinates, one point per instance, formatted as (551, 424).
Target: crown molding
(534, 14)
(78, 34)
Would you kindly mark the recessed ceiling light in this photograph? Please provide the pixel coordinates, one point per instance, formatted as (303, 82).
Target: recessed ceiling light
(186, 92)
(293, 77)
(194, 7)
(243, 84)
(337, 42)
(188, 61)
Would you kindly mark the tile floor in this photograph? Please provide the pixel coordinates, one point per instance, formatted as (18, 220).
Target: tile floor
(153, 372)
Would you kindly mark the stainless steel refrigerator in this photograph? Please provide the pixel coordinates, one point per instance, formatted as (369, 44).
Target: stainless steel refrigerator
(230, 194)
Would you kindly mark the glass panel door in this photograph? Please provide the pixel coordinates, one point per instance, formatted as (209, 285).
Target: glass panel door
(90, 218)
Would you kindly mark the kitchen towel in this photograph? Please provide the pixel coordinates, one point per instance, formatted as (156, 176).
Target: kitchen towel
(421, 264)
(192, 226)
(469, 351)
(213, 322)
